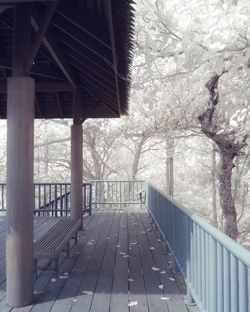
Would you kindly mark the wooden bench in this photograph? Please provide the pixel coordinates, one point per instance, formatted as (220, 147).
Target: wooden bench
(53, 242)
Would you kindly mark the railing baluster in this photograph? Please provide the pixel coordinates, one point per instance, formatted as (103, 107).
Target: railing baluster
(90, 199)
(120, 191)
(234, 283)
(195, 262)
(226, 275)
(192, 246)
(199, 268)
(39, 196)
(207, 272)
(203, 273)
(244, 299)
(219, 277)
(3, 188)
(49, 206)
(213, 273)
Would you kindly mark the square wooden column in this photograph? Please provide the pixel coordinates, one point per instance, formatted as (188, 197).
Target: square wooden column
(20, 197)
(76, 173)
(20, 136)
(76, 193)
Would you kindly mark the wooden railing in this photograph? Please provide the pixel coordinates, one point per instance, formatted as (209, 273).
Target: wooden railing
(116, 194)
(52, 199)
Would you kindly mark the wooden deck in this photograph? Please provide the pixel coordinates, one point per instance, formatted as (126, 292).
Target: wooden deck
(110, 268)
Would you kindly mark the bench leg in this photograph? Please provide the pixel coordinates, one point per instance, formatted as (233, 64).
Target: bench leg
(68, 249)
(56, 266)
(76, 238)
(35, 268)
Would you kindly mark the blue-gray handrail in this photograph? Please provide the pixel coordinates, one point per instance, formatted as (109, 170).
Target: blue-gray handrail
(216, 268)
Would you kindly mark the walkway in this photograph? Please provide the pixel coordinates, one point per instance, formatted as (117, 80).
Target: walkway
(120, 260)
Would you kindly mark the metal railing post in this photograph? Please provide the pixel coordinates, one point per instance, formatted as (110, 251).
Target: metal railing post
(90, 199)
(189, 298)
(95, 182)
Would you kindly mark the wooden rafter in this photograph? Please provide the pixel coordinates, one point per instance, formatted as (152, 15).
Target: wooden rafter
(71, 48)
(87, 24)
(50, 43)
(67, 29)
(83, 67)
(88, 63)
(88, 79)
(112, 38)
(41, 31)
(85, 53)
(104, 101)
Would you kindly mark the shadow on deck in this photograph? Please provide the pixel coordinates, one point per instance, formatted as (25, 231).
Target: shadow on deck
(120, 259)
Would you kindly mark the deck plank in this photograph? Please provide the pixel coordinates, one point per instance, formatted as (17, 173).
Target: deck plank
(137, 287)
(170, 289)
(102, 295)
(119, 296)
(88, 284)
(151, 277)
(111, 267)
(56, 291)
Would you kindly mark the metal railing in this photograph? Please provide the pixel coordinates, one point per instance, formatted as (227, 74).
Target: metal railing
(116, 194)
(52, 199)
(216, 268)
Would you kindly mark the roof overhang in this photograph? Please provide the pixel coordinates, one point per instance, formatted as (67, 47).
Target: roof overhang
(77, 46)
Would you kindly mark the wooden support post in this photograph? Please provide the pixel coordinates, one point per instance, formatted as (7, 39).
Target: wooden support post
(20, 136)
(76, 193)
(19, 243)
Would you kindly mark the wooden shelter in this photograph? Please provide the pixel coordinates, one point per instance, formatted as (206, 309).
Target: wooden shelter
(58, 59)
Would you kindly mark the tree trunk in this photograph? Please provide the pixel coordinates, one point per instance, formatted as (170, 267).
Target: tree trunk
(137, 155)
(46, 159)
(236, 179)
(226, 197)
(230, 146)
(214, 197)
(170, 166)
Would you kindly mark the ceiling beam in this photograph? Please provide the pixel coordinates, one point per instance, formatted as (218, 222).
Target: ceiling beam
(40, 34)
(44, 87)
(37, 107)
(50, 43)
(59, 104)
(108, 7)
(37, 70)
(5, 7)
(21, 38)
(77, 111)
(21, 1)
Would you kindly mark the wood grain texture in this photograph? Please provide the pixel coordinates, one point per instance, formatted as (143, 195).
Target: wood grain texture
(112, 266)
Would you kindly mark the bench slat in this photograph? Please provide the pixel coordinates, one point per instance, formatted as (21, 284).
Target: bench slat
(54, 241)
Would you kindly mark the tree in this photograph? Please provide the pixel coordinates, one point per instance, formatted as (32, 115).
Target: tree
(230, 145)
(100, 146)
